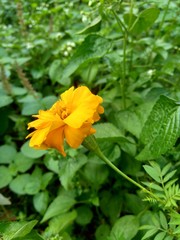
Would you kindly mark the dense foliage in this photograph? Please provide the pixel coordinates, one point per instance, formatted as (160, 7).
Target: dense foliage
(125, 51)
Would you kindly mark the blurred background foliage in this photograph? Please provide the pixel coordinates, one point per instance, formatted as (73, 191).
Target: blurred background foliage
(128, 53)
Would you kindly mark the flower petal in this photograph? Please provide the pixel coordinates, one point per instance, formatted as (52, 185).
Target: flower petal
(74, 136)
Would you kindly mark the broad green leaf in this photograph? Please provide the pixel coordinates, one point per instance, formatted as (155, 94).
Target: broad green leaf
(40, 201)
(30, 152)
(126, 228)
(33, 235)
(94, 26)
(22, 162)
(55, 71)
(30, 108)
(145, 20)
(7, 153)
(5, 100)
(84, 215)
(69, 167)
(11, 230)
(51, 164)
(18, 90)
(48, 101)
(5, 176)
(102, 232)
(109, 132)
(93, 47)
(46, 178)
(95, 173)
(19, 183)
(60, 223)
(161, 129)
(59, 205)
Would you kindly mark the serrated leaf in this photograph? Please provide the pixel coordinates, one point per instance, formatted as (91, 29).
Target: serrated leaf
(145, 20)
(93, 47)
(161, 130)
(59, 205)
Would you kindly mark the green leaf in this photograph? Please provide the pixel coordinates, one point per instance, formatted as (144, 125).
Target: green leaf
(30, 152)
(169, 176)
(59, 205)
(161, 130)
(18, 184)
(160, 236)
(102, 232)
(68, 169)
(5, 100)
(40, 201)
(84, 215)
(109, 132)
(7, 153)
(23, 163)
(150, 233)
(93, 47)
(5, 176)
(126, 228)
(33, 235)
(60, 223)
(55, 71)
(163, 220)
(94, 26)
(153, 173)
(145, 20)
(13, 230)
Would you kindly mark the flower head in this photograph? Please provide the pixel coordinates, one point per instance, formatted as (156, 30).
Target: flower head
(70, 118)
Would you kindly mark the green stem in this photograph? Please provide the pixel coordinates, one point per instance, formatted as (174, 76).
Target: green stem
(110, 164)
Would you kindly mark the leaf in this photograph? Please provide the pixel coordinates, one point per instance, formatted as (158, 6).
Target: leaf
(5, 176)
(145, 20)
(60, 223)
(68, 169)
(169, 176)
(59, 205)
(92, 27)
(102, 232)
(4, 200)
(7, 153)
(153, 173)
(13, 230)
(18, 184)
(161, 129)
(93, 47)
(40, 201)
(160, 236)
(107, 131)
(150, 233)
(30, 152)
(23, 163)
(163, 220)
(5, 100)
(126, 227)
(84, 215)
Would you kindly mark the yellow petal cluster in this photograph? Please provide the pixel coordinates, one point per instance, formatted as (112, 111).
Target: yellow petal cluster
(70, 119)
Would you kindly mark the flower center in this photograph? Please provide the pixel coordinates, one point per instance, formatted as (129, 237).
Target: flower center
(64, 113)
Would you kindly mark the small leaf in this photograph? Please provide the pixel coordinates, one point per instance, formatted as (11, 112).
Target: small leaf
(160, 236)
(169, 176)
(18, 184)
(30, 152)
(150, 233)
(5, 176)
(153, 173)
(59, 205)
(93, 26)
(7, 153)
(166, 169)
(145, 20)
(163, 220)
(40, 201)
(84, 215)
(5, 100)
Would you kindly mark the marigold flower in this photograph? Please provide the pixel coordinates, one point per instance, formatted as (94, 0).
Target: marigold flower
(70, 118)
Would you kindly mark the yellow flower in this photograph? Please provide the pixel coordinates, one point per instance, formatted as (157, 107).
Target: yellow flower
(70, 118)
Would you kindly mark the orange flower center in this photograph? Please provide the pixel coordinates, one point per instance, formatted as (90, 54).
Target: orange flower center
(64, 113)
